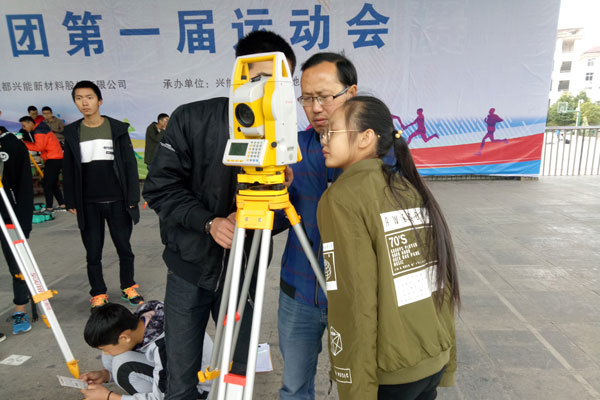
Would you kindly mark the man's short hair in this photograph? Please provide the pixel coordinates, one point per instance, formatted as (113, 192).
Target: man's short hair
(46, 108)
(161, 116)
(31, 108)
(106, 324)
(88, 85)
(265, 42)
(346, 71)
(26, 118)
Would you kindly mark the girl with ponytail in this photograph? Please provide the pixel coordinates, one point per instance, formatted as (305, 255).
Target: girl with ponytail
(390, 267)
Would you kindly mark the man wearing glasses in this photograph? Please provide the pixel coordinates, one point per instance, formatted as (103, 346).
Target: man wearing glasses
(328, 80)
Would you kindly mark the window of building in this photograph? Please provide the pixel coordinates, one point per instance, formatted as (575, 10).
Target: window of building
(565, 66)
(590, 62)
(563, 86)
(567, 46)
(589, 76)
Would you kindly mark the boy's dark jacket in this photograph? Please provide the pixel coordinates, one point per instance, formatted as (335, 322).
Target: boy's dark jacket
(16, 179)
(125, 166)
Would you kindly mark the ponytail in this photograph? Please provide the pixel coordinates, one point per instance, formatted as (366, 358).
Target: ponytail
(370, 113)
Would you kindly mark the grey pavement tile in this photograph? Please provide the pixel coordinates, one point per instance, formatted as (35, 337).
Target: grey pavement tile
(543, 385)
(516, 349)
(482, 311)
(537, 277)
(556, 306)
(585, 335)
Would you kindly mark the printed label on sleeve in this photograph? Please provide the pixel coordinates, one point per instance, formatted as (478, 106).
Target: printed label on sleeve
(329, 264)
(342, 375)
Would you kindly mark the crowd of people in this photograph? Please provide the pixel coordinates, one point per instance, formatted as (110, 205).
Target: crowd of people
(380, 235)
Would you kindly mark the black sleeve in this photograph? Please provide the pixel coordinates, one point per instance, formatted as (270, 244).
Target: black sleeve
(168, 185)
(24, 192)
(131, 171)
(69, 176)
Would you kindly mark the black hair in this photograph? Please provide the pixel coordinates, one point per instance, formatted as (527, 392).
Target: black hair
(26, 118)
(88, 85)
(46, 108)
(106, 324)
(161, 116)
(265, 42)
(31, 108)
(365, 112)
(346, 72)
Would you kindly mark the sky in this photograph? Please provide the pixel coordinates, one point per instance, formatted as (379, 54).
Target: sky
(582, 13)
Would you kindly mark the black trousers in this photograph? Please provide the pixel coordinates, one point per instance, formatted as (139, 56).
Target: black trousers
(20, 291)
(187, 310)
(50, 182)
(120, 227)
(425, 389)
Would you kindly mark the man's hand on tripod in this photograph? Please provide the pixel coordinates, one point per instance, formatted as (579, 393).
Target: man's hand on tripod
(222, 230)
(289, 176)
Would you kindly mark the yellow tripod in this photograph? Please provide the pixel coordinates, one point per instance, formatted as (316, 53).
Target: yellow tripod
(255, 211)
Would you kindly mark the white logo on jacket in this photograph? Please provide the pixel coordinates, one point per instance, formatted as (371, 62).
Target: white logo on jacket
(329, 263)
(336, 341)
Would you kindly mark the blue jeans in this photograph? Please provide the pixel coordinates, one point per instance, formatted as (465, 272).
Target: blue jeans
(301, 329)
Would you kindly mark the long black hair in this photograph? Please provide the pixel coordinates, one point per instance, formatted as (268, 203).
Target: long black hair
(366, 112)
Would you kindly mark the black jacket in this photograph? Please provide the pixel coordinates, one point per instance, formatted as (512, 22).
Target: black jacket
(125, 166)
(153, 138)
(16, 179)
(188, 185)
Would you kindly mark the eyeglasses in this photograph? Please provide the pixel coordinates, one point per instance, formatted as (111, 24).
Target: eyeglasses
(325, 136)
(322, 100)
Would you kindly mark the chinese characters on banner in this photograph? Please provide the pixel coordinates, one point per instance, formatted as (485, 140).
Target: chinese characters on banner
(27, 32)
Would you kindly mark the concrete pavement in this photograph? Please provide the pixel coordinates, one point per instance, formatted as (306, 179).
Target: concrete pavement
(529, 259)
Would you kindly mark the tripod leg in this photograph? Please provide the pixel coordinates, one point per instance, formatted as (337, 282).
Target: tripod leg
(258, 304)
(215, 358)
(311, 256)
(246, 287)
(237, 250)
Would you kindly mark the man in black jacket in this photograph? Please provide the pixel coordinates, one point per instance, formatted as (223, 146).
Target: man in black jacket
(194, 195)
(101, 184)
(16, 179)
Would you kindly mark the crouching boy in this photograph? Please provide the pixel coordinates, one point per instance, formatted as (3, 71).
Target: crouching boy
(134, 356)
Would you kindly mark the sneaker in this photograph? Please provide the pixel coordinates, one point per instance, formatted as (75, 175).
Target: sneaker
(99, 300)
(2, 337)
(131, 295)
(21, 323)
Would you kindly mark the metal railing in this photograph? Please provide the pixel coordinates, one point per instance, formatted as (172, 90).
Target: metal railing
(570, 150)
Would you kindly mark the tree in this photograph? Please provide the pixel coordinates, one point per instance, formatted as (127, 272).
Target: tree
(588, 110)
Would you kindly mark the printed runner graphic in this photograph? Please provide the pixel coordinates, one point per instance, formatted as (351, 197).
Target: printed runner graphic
(329, 264)
(413, 275)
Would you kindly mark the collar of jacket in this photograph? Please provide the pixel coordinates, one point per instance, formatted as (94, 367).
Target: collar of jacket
(117, 127)
(361, 166)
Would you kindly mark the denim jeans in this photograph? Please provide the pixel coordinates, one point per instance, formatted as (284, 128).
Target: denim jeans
(301, 330)
(187, 309)
(120, 227)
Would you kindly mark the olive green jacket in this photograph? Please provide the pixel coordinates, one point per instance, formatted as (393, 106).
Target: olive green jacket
(384, 328)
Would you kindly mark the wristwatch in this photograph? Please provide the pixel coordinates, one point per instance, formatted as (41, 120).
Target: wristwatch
(207, 226)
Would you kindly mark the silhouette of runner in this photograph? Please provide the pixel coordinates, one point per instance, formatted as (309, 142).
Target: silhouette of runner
(421, 131)
(491, 120)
